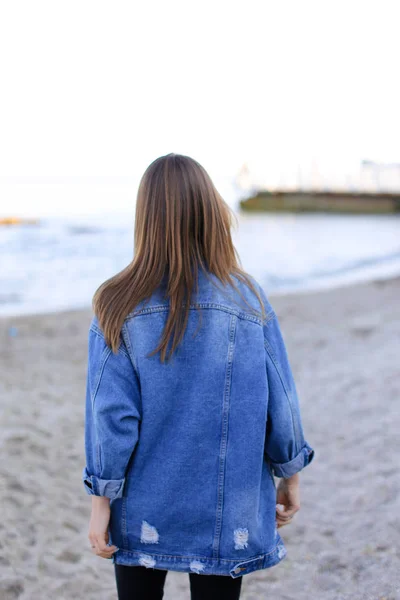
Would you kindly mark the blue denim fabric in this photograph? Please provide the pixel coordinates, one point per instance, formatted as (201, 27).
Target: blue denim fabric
(187, 451)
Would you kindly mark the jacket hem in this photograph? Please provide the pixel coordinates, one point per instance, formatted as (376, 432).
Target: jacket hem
(202, 564)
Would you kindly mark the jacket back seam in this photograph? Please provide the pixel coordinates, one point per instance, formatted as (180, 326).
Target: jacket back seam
(224, 436)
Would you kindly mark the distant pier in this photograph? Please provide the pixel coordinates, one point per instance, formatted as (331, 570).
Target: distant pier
(312, 201)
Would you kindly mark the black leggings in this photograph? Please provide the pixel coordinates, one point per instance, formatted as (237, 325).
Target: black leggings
(143, 583)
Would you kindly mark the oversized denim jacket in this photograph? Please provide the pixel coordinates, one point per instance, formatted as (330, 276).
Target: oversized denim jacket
(187, 451)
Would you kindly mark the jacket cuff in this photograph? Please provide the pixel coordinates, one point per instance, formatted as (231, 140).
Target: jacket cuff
(287, 469)
(111, 488)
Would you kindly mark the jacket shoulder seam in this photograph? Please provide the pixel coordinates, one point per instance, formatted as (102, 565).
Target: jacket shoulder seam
(269, 317)
(98, 332)
(95, 329)
(129, 349)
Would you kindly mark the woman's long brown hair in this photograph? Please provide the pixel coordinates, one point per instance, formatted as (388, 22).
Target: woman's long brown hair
(182, 224)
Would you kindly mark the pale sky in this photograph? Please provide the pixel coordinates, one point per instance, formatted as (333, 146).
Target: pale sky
(99, 89)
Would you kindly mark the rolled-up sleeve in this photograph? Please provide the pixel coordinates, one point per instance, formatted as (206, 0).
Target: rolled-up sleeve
(285, 445)
(112, 416)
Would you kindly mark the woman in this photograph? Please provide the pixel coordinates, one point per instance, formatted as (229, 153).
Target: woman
(191, 407)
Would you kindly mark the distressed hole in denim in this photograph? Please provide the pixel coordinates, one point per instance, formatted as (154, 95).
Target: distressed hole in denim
(147, 561)
(149, 534)
(196, 566)
(281, 551)
(241, 537)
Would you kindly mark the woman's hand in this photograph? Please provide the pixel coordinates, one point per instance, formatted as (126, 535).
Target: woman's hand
(98, 528)
(288, 495)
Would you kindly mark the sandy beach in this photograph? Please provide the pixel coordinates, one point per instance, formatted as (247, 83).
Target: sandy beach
(344, 347)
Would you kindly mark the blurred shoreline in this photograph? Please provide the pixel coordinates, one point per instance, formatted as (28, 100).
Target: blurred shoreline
(59, 264)
(343, 346)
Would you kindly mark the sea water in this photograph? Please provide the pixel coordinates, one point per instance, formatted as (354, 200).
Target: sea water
(59, 263)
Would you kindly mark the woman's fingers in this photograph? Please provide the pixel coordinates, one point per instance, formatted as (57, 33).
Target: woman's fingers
(287, 501)
(104, 553)
(284, 515)
(102, 545)
(282, 522)
(99, 546)
(287, 512)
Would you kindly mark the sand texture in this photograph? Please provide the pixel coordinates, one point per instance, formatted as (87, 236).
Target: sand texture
(344, 347)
